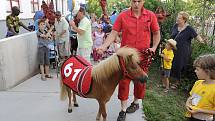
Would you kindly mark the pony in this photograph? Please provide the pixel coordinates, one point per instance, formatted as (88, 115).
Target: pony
(106, 76)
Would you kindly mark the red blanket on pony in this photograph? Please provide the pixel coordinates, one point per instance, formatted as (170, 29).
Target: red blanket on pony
(76, 74)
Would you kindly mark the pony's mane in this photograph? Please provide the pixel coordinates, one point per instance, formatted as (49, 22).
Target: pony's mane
(126, 51)
(111, 65)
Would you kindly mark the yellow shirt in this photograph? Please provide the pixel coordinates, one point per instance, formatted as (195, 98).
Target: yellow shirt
(203, 95)
(169, 54)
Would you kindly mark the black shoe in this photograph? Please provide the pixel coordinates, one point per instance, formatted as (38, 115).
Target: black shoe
(132, 108)
(76, 105)
(122, 116)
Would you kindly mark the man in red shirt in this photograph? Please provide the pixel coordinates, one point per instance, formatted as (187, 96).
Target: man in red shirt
(136, 25)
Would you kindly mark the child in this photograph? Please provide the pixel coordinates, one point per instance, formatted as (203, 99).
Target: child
(167, 57)
(43, 50)
(98, 38)
(113, 46)
(94, 23)
(201, 103)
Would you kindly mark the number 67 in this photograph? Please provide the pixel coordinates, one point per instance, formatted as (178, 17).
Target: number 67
(68, 71)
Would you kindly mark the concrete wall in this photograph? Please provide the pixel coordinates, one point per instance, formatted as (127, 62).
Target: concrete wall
(18, 59)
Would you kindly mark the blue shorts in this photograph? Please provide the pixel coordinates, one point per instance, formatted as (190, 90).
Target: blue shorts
(166, 72)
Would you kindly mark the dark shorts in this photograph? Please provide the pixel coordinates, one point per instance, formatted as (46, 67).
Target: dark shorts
(74, 43)
(166, 72)
(9, 34)
(43, 55)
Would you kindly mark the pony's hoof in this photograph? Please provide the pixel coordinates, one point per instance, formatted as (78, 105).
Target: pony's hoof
(97, 119)
(76, 105)
(69, 110)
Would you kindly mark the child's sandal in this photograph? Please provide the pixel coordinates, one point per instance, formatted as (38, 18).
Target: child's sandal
(48, 76)
(43, 78)
(166, 90)
(174, 86)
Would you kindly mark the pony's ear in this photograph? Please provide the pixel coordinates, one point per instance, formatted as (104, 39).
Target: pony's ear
(130, 55)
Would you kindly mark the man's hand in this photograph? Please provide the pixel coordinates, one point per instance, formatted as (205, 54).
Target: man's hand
(15, 33)
(30, 30)
(72, 23)
(53, 34)
(101, 49)
(152, 49)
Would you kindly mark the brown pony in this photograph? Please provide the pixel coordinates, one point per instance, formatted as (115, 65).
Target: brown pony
(107, 74)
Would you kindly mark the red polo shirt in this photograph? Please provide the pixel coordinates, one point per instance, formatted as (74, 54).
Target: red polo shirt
(136, 32)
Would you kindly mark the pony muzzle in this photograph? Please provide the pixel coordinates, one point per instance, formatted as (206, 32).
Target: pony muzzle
(143, 79)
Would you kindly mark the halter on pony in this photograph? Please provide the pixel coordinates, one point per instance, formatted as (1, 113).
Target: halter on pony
(149, 56)
(124, 71)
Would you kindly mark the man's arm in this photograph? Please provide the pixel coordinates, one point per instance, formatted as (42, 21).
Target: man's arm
(156, 40)
(110, 39)
(79, 31)
(21, 24)
(62, 33)
(75, 28)
(199, 38)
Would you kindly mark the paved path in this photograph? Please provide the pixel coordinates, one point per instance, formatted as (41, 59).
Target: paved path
(36, 100)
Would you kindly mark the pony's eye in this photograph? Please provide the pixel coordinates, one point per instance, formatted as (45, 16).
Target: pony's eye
(134, 66)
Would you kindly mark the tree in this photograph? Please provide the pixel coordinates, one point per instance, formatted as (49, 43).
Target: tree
(202, 9)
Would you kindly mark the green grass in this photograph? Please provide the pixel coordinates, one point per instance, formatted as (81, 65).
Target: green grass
(161, 106)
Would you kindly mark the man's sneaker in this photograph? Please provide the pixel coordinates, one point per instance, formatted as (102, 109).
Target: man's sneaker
(122, 116)
(132, 108)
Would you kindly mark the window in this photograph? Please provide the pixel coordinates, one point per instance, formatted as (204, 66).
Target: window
(34, 6)
(12, 3)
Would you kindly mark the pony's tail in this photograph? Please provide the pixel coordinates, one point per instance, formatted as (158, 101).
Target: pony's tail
(63, 91)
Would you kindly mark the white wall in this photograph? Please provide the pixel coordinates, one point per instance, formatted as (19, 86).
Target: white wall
(18, 59)
(25, 8)
(3, 9)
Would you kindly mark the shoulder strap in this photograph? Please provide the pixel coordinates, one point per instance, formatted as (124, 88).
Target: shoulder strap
(181, 30)
(177, 35)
